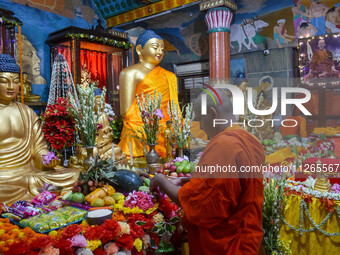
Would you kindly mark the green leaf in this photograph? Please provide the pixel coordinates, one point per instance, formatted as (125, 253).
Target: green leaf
(140, 223)
(174, 220)
(161, 232)
(153, 244)
(168, 227)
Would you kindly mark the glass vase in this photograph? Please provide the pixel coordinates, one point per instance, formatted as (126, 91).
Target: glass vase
(152, 156)
(90, 157)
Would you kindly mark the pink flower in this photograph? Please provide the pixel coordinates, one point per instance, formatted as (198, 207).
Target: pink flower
(79, 241)
(49, 250)
(140, 199)
(336, 188)
(48, 158)
(159, 113)
(111, 248)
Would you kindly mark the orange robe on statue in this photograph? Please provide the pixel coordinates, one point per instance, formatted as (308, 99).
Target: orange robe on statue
(299, 129)
(163, 82)
(224, 215)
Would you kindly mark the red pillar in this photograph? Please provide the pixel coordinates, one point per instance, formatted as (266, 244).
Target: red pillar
(218, 18)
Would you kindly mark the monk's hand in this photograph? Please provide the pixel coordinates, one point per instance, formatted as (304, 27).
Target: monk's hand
(157, 181)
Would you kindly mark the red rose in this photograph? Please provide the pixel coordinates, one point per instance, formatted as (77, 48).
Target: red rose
(18, 249)
(125, 241)
(71, 231)
(65, 247)
(94, 233)
(41, 243)
(99, 251)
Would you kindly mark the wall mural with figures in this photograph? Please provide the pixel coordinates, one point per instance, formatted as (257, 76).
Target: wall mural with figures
(257, 25)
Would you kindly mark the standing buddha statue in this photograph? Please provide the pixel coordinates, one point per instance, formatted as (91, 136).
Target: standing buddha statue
(145, 77)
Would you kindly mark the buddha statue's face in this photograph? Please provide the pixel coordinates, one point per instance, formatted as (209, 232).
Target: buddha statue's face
(96, 104)
(153, 51)
(24, 77)
(9, 87)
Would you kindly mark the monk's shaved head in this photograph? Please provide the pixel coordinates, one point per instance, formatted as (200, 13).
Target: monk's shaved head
(214, 110)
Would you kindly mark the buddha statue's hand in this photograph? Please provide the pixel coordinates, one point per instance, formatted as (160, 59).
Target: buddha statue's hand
(52, 164)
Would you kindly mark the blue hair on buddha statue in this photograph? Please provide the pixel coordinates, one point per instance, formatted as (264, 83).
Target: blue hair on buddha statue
(8, 64)
(146, 36)
(97, 92)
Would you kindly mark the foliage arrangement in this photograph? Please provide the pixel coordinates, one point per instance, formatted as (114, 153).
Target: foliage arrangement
(58, 125)
(181, 125)
(273, 208)
(151, 114)
(85, 117)
(116, 123)
(105, 40)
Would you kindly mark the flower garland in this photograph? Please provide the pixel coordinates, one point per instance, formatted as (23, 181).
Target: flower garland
(301, 230)
(9, 23)
(314, 193)
(105, 40)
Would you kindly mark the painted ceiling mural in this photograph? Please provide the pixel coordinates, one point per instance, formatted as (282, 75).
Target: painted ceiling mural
(257, 25)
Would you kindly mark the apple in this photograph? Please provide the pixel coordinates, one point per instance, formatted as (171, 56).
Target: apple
(171, 163)
(174, 174)
(167, 165)
(181, 175)
(188, 175)
(173, 168)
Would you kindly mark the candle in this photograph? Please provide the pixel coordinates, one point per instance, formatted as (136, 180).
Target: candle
(131, 156)
(113, 152)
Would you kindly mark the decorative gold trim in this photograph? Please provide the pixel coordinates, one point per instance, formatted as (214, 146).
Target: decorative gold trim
(218, 3)
(118, 33)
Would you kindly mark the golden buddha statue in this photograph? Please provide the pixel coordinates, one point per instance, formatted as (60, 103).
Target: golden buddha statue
(28, 96)
(266, 131)
(103, 141)
(145, 77)
(22, 143)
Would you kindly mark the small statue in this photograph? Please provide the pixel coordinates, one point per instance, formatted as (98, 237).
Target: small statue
(103, 141)
(28, 96)
(168, 141)
(104, 137)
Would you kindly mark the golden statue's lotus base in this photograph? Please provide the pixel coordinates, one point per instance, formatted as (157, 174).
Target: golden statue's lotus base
(322, 184)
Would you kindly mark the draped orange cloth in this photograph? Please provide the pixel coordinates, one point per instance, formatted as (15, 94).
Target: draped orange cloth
(299, 129)
(224, 215)
(163, 82)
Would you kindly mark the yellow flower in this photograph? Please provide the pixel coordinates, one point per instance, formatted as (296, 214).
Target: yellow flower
(138, 244)
(53, 233)
(10, 242)
(15, 230)
(2, 243)
(158, 218)
(21, 235)
(2, 231)
(93, 244)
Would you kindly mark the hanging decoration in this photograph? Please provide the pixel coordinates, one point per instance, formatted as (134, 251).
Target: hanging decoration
(104, 40)
(61, 81)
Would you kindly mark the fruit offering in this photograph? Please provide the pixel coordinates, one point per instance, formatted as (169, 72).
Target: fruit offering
(179, 168)
(46, 222)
